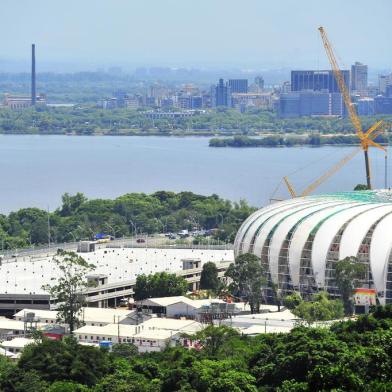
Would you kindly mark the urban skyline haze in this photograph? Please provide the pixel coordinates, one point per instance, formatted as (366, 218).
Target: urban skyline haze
(204, 33)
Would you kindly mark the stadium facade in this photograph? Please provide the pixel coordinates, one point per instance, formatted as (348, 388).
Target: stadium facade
(300, 240)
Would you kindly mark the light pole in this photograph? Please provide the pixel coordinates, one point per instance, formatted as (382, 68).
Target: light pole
(111, 228)
(134, 228)
(163, 226)
(219, 214)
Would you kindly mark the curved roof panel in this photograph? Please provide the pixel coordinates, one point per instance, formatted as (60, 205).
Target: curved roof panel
(356, 230)
(301, 235)
(283, 230)
(326, 234)
(380, 248)
(317, 219)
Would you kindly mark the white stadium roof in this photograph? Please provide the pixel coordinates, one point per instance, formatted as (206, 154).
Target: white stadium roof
(311, 233)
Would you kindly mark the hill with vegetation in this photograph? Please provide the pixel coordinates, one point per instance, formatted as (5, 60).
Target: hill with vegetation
(353, 355)
(130, 214)
(88, 119)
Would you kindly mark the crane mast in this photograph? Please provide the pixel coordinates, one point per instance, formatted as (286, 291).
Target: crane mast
(340, 81)
(364, 138)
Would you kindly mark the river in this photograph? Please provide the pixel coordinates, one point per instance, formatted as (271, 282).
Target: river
(37, 170)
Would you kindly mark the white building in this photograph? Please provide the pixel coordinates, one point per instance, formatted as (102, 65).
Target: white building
(152, 335)
(22, 278)
(16, 345)
(88, 316)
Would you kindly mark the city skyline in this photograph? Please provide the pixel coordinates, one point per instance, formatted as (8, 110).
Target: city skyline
(217, 34)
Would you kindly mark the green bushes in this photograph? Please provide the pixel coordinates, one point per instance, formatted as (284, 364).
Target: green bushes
(350, 356)
(80, 218)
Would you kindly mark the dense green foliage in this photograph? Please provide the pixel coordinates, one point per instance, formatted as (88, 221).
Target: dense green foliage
(89, 120)
(209, 277)
(289, 141)
(321, 308)
(160, 284)
(348, 273)
(248, 280)
(350, 356)
(73, 270)
(79, 218)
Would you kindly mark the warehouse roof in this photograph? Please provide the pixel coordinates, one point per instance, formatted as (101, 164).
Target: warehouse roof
(28, 274)
(155, 335)
(165, 301)
(88, 315)
(122, 330)
(158, 323)
(17, 343)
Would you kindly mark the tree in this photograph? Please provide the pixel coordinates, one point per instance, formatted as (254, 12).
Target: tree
(67, 386)
(71, 203)
(209, 277)
(291, 301)
(213, 338)
(126, 351)
(361, 187)
(160, 284)
(348, 273)
(248, 279)
(64, 361)
(68, 292)
(320, 309)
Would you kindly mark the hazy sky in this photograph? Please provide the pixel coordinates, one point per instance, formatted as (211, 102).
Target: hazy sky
(211, 33)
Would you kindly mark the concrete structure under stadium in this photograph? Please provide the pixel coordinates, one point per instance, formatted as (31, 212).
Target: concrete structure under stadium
(300, 240)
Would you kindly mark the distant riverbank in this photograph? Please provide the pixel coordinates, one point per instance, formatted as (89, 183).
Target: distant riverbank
(289, 141)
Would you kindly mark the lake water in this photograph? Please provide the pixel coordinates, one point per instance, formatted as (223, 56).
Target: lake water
(37, 170)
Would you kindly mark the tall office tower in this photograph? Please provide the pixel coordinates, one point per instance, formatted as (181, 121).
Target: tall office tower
(259, 82)
(383, 82)
(222, 94)
(359, 77)
(388, 91)
(317, 81)
(238, 85)
(33, 87)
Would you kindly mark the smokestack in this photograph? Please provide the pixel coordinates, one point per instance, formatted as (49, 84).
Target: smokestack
(33, 89)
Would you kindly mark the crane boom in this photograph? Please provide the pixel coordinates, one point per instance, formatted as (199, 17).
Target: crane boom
(340, 81)
(289, 187)
(330, 172)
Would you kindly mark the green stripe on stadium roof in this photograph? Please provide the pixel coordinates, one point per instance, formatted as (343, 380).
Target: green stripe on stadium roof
(374, 196)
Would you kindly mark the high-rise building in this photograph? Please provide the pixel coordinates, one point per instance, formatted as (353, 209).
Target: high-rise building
(238, 85)
(310, 103)
(383, 82)
(259, 82)
(388, 91)
(382, 105)
(365, 106)
(359, 77)
(121, 97)
(222, 94)
(317, 81)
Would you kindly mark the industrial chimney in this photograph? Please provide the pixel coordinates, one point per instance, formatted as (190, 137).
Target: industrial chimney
(33, 88)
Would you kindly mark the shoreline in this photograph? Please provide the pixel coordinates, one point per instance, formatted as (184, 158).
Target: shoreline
(189, 136)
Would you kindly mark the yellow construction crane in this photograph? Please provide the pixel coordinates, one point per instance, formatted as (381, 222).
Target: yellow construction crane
(323, 178)
(365, 138)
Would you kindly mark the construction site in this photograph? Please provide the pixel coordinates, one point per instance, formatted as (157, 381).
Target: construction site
(301, 239)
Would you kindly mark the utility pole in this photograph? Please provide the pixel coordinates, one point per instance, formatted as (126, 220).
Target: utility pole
(48, 228)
